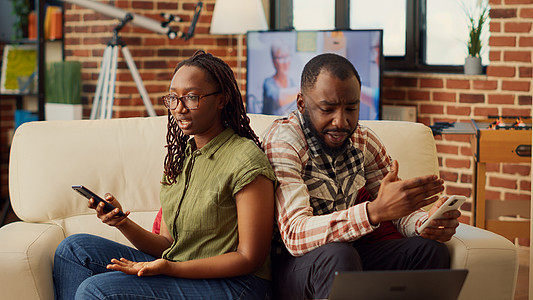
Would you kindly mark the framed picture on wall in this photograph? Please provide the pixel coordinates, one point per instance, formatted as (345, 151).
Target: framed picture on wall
(19, 69)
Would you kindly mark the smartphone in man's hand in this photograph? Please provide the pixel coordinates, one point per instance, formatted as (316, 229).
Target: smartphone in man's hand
(452, 203)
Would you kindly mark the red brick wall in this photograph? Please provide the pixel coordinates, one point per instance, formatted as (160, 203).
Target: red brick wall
(88, 32)
(505, 90)
(7, 119)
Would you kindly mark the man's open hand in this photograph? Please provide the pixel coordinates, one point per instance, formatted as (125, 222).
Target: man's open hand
(398, 198)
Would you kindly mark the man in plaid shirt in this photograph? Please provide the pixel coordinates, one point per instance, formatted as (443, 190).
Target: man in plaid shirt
(340, 205)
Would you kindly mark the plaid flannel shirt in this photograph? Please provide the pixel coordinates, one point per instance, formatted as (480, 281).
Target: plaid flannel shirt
(316, 196)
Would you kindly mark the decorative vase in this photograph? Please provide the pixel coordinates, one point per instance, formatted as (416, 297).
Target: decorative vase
(473, 66)
(62, 111)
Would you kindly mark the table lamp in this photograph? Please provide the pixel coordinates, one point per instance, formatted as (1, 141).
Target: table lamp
(237, 17)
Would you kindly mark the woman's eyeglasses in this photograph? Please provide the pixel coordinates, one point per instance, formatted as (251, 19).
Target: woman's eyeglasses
(190, 102)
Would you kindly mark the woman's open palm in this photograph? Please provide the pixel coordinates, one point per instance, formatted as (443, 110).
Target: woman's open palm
(150, 268)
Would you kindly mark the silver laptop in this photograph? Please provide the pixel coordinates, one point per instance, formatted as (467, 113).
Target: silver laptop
(385, 285)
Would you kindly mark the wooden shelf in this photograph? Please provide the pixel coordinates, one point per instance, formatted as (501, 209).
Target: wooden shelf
(43, 47)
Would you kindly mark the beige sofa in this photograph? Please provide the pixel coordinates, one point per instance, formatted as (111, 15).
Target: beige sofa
(125, 157)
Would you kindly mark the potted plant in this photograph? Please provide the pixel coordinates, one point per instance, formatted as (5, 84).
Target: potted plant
(63, 91)
(477, 18)
(21, 10)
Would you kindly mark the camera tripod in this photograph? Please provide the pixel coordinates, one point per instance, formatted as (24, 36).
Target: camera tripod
(105, 88)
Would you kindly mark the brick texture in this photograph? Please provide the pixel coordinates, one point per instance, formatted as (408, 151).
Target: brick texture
(505, 89)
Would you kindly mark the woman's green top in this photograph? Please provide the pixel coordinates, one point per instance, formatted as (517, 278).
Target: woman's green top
(200, 209)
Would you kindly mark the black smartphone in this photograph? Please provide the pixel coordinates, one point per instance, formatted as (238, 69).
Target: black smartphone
(85, 192)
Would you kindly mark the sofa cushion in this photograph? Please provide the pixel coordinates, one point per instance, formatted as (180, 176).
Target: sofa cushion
(103, 155)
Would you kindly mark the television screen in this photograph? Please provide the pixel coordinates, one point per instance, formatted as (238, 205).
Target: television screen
(276, 60)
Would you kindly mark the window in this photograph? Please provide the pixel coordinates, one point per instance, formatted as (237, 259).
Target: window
(314, 14)
(427, 35)
(392, 19)
(447, 32)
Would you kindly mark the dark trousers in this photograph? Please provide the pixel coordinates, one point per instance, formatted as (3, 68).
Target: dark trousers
(310, 276)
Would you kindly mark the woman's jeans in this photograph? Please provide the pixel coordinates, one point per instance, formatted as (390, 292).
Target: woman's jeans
(80, 273)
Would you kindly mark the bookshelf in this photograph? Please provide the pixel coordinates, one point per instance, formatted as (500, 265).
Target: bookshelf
(47, 51)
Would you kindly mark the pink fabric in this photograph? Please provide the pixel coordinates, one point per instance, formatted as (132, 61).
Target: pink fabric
(156, 227)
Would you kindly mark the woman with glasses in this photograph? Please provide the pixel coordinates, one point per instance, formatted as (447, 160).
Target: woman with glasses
(217, 199)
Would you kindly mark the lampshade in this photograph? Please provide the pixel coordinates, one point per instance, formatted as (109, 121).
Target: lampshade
(238, 17)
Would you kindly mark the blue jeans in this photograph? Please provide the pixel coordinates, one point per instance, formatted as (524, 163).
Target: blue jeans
(80, 273)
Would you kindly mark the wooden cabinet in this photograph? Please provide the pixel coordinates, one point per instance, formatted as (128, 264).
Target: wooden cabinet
(507, 218)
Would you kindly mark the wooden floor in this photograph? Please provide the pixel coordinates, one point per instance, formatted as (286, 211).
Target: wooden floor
(522, 284)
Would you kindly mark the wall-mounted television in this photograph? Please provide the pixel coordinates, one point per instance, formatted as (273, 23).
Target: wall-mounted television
(276, 60)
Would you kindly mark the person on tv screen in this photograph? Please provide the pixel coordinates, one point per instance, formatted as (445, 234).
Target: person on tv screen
(340, 205)
(217, 198)
(279, 90)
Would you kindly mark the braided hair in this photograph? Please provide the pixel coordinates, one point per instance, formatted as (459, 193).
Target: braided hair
(233, 114)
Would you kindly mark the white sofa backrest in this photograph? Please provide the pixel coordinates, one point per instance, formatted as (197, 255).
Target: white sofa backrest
(120, 156)
(125, 157)
(412, 144)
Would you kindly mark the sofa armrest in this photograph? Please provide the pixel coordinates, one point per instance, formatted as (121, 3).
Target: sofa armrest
(491, 260)
(26, 256)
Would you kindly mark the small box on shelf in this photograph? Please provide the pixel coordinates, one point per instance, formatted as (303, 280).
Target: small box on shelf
(22, 116)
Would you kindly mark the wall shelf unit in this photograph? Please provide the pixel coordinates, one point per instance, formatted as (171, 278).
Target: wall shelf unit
(47, 51)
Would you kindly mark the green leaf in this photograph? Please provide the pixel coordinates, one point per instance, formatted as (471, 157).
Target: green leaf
(477, 18)
(63, 82)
